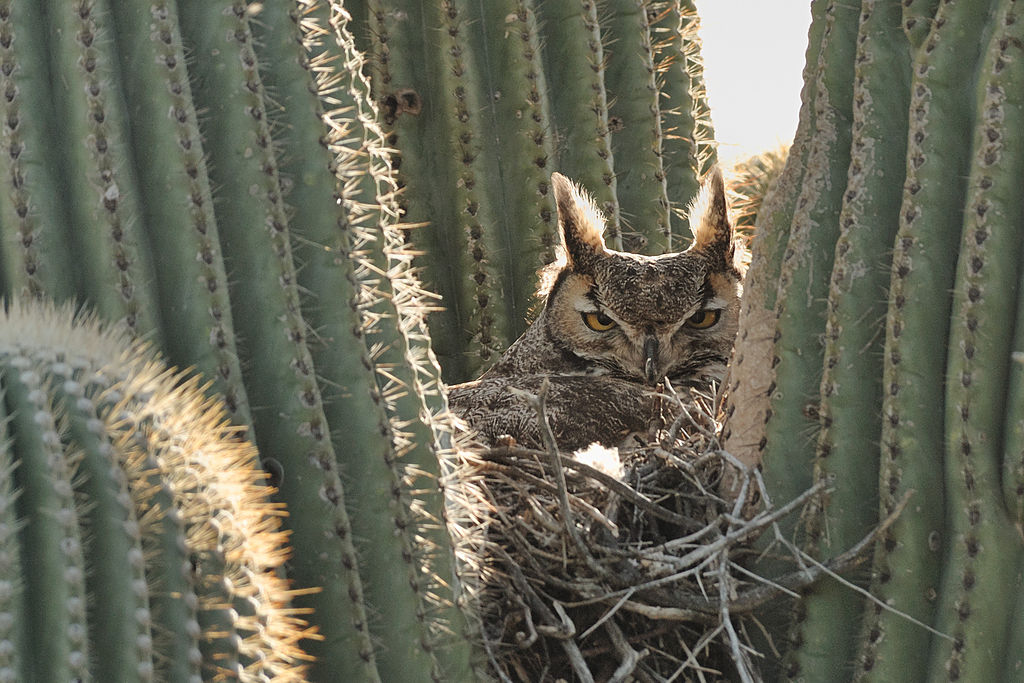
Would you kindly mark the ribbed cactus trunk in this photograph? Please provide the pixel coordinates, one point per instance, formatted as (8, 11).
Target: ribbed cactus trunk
(148, 175)
(880, 337)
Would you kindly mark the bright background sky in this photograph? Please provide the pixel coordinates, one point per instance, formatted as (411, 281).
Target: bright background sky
(753, 62)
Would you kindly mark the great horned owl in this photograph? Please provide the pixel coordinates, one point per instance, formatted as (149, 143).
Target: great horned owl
(613, 326)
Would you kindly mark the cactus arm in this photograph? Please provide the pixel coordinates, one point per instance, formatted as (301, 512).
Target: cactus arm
(985, 550)
(751, 373)
(637, 136)
(847, 448)
(418, 124)
(266, 309)
(575, 61)
(177, 208)
(56, 627)
(363, 436)
(31, 198)
(101, 191)
(686, 118)
(433, 635)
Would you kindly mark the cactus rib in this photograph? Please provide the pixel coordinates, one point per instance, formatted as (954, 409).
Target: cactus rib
(175, 200)
(985, 551)
(34, 260)
(637, 137)
(104, 208)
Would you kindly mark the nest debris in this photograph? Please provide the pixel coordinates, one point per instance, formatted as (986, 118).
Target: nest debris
(627, 565)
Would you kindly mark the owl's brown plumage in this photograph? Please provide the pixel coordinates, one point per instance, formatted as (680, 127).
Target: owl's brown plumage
(613, 325)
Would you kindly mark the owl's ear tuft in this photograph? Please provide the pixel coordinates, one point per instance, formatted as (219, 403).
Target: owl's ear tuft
(580, 223)
(709, 216)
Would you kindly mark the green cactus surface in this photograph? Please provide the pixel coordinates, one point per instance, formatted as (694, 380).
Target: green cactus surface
(894, 345)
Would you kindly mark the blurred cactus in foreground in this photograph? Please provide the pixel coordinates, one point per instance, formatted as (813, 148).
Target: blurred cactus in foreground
(904, 178)
(139, 541)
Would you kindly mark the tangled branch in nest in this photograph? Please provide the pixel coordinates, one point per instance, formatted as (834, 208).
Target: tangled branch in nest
(628, 565)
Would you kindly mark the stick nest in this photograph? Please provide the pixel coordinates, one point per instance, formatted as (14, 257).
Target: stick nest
(610, 565)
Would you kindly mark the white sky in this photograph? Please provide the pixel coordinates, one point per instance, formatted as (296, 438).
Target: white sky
(753, 61)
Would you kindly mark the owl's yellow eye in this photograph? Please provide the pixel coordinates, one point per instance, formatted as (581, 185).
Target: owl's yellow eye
(597, 321)
(702, 320)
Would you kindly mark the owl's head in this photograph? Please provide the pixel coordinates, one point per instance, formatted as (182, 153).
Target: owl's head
(645, 317)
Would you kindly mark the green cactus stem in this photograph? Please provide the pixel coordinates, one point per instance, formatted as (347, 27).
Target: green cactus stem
(114, 258)
(634, 117)
(803, 278)
(913, 375)
(687, 133)
(575, 60)
(417, 126)
(419, 621)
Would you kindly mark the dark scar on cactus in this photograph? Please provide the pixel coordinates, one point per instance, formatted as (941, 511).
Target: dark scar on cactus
(403, 101)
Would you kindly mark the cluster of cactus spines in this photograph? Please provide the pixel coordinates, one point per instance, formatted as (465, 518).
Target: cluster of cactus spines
(927, 240)
(146, 546)
(495, 113)
(422, 606)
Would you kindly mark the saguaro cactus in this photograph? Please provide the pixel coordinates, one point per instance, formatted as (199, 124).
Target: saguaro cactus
(880, 395)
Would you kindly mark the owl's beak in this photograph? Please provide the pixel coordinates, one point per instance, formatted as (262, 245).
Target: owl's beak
(651, 359)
